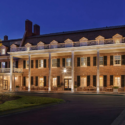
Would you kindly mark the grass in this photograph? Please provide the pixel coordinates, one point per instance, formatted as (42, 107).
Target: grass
(27, 101)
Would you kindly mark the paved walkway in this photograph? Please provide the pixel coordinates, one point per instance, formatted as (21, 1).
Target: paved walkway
(77, 110)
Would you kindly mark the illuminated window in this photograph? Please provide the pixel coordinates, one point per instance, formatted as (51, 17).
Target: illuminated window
(3, 64)
(101, 81)
(83, 82)
(41, 81)
(101, 60)
(3, 51)
(68, 62)
(117, 82)
(117, 60)
(27, 64)
(54, 62)
(41, 63)
(55, 82)
(83, 61)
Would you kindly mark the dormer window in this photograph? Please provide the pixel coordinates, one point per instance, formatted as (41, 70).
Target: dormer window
(28, 48)
(2, 51)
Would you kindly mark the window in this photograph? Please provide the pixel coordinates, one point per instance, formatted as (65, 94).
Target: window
(101, 81)
(68, 62)
(117, 82)
(41, 81)
(55, 82)
(101, 61)
(27, 64)
(83, 61)
(54, 62)
(83, 82)
(3, 51)
(41, 63)
(3, 65)
(117, 60)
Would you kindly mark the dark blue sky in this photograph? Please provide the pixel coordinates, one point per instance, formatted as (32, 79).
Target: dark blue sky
(59, 15)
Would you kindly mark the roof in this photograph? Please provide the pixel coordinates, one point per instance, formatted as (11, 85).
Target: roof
(90, 34)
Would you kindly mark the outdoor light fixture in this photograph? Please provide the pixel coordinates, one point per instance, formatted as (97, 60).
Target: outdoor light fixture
(64, 70)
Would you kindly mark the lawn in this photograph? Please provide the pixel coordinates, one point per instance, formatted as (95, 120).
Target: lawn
(27, 101)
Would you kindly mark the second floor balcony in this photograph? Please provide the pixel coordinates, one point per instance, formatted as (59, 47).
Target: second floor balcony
(7, 70)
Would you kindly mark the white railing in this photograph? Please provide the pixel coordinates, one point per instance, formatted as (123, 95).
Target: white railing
(7, 70)
(65, 45)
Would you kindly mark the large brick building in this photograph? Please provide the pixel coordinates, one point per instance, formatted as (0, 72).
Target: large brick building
(87, 59)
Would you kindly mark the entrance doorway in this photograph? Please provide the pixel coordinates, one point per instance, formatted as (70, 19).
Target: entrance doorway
(5, 84)
(67, 84)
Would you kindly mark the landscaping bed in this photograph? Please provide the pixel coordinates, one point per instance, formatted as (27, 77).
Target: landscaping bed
(10, 102)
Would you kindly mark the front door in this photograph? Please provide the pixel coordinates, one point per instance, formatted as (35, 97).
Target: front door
(5, 84)
(67, 84)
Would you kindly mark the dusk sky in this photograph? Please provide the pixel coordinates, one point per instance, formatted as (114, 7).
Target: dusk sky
(59, 15)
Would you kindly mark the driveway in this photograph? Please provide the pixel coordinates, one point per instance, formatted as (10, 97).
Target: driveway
(77, 110)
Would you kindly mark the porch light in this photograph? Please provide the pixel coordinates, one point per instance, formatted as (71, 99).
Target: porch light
(64, 70)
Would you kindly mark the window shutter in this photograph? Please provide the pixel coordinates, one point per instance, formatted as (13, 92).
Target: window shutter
(48, 63)
(44, 63)
(105, 81)
(63, 62)
(24, 81)
(111, 79)
(78, 80)
(36, 63)
(94, 80)
(5, 64)
(58, 62)
(88, 80)
(44, 80)
(78, 61)
(31, 80)
(88, 61)
(0, 64)
(123, 59)
(105, 60)
(58, 80)
(8, 64)
(94, 61)
(122, 80)
(16, 64)
(37, 80)
(31, 63)
(111, 60)
(24, 64)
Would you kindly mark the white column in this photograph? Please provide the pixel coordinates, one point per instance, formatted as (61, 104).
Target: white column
(49, 71)
(98, 71)
(29, 84)
(72, 87)
(11, 72)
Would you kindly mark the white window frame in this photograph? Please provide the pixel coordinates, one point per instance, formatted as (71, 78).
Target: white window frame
(101, 78)
(114, 60)
(85, 78)
(42, 81)
(67, 62)
(81, 62)
(100, 61)
(52, 63)
(117, 80)
(3, 51)
(41, 63)
(54, 84)
(2, 64)
(27, 67)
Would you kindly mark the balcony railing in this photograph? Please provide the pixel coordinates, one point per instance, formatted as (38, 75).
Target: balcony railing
(7, 70)
(66, 45)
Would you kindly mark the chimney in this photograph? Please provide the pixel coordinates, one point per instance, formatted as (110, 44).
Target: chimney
(28, 28)
(5, 38)
(36, 29)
